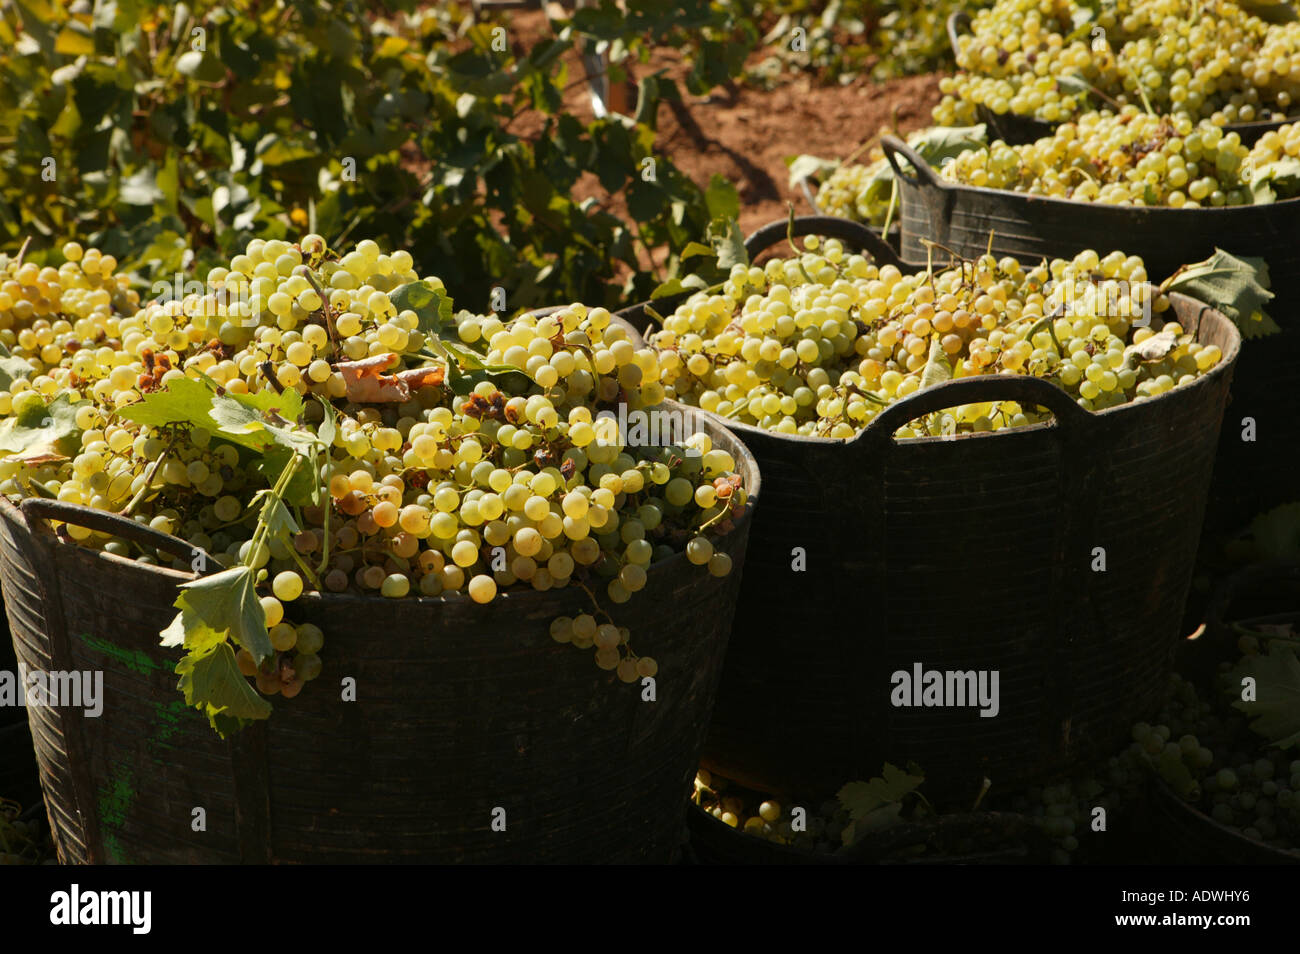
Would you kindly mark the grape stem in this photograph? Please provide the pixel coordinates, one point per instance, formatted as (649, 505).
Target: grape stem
(148, 478)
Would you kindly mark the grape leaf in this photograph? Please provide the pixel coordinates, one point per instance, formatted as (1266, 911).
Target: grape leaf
(862, 798)
(937, 368)
(695, 248)
(43, 431)
(213, 684)
(11, 369)
(679, 286)
(1275, 180)
(804, 167)
(183, 401)
(262, 418)
(226, 602)
(728, 243)
(1238, 287)
(1275, 713)
(721, 198)
(429, 302)
(876, 804)
(504, 376)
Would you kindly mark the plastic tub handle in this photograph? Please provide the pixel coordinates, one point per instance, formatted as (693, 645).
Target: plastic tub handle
(116, 524)
(978, 389)
(846, 230)
(958, 23)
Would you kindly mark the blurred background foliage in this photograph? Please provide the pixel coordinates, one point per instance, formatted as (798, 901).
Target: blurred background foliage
(170, 135)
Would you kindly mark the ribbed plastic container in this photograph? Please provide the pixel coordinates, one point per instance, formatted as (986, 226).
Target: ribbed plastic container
(1263, 424)
(461, 710)
(874, 555)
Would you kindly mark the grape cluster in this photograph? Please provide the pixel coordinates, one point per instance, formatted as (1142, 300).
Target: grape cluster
(817, 344)
(1210, 60)
(1129, 158)
(848, 193)
(426, 491)
(1236, 778)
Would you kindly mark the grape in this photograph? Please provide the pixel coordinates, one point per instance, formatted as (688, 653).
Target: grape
(287, 586)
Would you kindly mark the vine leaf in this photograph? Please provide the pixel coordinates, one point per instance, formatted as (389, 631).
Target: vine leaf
(430, 303)
(937, 367)
(43, 432)
(225, 603)
(877, 803)
(1275, 713)
(213, 684)
(1238, 287)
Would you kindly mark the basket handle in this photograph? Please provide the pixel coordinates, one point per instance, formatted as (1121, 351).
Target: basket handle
(958, 23)
(112, 523)
(846, 230)
(978, 389)
(925, 175)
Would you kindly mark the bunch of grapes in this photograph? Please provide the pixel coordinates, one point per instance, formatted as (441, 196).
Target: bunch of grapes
(425, 491)
(1129, 158)
(848, 193)
(1213, 760)
(817, 344)
(1209, 60)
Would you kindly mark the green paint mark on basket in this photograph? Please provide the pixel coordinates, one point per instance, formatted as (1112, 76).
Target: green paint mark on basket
(133, 659)
(114, 802)
(167, 717)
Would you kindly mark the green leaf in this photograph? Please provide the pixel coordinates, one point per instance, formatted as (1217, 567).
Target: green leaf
(878, 803)
(721, 198)
(1275, 713)
(74, 40)
(227, 602)
(937, 367)
(213, 684)
(183, 401)
(261, 418)
(678, 286)
(861, 798)
(43, 430)
(1275, 180)
(429, 302)
(1238, 287)
(728, 243)
(276, 150)
(693, 249)
(938, 144)
(805, 167)
(11, 369)
(506, 377)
